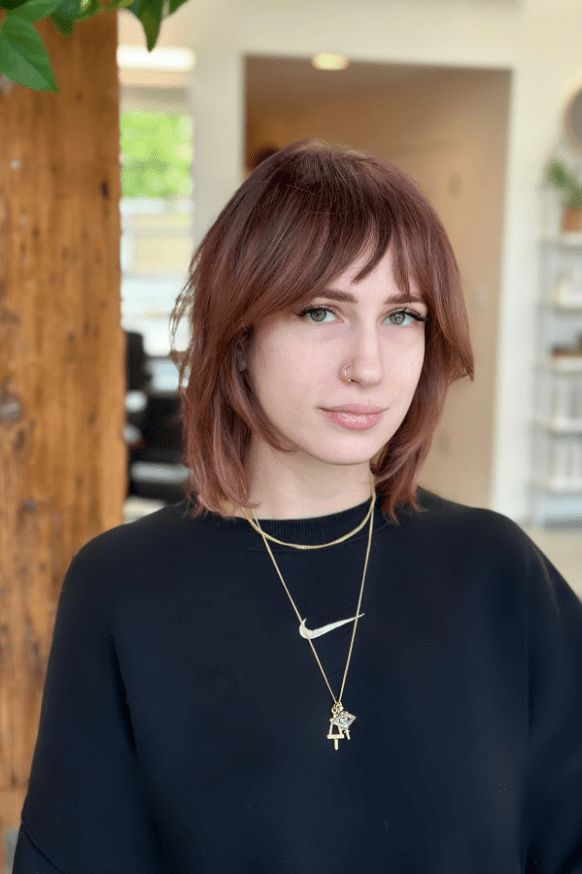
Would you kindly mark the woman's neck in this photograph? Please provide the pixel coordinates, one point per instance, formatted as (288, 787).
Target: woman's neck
(288, 510)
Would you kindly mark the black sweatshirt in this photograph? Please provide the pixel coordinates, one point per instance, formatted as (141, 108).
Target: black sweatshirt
(184, 719)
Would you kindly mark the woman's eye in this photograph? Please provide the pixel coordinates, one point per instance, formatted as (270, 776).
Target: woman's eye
(309, 310)
(400, 315)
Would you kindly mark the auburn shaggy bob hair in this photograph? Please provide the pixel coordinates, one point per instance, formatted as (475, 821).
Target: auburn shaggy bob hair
(299, 220)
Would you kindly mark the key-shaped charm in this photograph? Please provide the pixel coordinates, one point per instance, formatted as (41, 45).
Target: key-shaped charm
(339, 724)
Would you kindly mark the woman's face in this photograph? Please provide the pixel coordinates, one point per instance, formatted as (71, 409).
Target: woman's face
(295, 364)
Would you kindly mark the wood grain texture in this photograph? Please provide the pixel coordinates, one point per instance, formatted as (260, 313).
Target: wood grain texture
(62, 359)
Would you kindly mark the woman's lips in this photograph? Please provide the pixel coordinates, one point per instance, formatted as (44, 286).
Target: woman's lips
(353, 421)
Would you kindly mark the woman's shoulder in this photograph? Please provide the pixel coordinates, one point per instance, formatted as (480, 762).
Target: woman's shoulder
(471, 528)
(138, 555)
(436, 508)
(142, 537)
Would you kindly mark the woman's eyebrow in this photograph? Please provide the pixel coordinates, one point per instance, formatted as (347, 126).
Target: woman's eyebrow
(346, 297)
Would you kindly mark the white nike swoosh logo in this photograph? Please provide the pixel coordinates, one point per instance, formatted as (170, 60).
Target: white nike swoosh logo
(309, 633)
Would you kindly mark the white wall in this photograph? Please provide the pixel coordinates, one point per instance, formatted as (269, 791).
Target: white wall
(538, 40)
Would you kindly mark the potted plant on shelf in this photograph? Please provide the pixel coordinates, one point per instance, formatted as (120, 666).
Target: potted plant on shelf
(564, 179)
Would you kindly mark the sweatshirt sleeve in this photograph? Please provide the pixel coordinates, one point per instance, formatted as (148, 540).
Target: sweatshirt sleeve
(30, 858)
(553, 801)
(85, 811)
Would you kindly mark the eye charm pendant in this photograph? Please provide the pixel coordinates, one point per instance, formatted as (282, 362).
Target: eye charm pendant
(339, 724)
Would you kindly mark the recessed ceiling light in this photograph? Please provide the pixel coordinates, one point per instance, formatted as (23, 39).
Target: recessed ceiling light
(329, 61)
(162, 58)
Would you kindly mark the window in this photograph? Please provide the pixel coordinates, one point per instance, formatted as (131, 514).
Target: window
(156, 211)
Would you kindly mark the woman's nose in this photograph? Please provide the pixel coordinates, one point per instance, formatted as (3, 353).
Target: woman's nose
(365, 356)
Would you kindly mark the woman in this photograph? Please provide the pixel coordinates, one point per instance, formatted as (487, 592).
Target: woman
(312, 663)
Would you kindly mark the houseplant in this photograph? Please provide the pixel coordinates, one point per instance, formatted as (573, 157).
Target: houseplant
(565, 180)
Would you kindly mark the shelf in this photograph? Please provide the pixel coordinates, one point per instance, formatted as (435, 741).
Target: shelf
(560, 426)
(558, 485)
(555, 474)
(569, 240)
(570, 302)
(562, 363)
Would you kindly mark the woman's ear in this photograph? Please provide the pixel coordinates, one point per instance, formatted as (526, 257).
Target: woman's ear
(240, 349)
(240, 356)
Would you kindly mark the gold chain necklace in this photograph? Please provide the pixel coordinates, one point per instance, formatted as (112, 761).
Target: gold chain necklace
(355, 530)
(341, 719)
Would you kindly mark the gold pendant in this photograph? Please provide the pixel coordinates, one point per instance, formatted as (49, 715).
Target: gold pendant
(340, 721)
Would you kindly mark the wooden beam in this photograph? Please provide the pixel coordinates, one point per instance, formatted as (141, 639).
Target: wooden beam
(62, 359)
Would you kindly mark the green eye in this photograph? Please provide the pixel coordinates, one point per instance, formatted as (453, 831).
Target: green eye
(329, 309)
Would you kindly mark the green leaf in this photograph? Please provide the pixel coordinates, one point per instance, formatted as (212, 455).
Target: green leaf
(66, 14)
(23, 57)
(558, 174)
(173, 5)
(88, 8)
(149, 13)
(562, 177)
(34, 10)
(11, 4)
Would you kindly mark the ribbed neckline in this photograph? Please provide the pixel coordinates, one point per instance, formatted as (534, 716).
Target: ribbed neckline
(310, 530)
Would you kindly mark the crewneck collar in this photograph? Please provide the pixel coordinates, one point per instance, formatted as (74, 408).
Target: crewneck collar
(309, 530)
